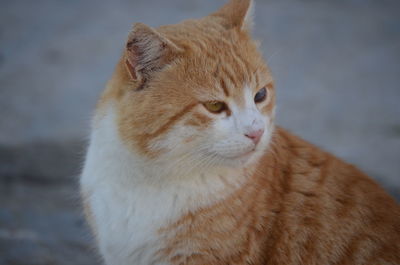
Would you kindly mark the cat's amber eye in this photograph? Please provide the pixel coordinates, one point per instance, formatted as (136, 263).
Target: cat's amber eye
(261, 95)
(215, 106)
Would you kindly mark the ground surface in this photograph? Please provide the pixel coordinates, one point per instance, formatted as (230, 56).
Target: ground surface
(336, 63)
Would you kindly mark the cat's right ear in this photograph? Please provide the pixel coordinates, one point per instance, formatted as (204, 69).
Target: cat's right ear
(237, 14)
(147, 51)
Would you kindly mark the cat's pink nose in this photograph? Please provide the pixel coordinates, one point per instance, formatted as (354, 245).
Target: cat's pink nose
(255, 136)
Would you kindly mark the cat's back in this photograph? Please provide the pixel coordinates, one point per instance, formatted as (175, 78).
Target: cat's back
(327, 210)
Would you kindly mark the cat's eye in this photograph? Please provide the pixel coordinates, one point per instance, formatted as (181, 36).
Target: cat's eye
(215, 106)
(260, 95)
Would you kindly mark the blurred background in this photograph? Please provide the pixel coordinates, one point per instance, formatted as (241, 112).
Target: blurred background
(336, 64)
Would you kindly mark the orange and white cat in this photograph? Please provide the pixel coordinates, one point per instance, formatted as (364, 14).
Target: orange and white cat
(185, 165)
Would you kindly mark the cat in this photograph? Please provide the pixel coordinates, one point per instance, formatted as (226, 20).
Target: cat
(186, 166)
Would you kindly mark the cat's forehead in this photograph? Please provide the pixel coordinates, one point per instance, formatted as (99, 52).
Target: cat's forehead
(220, 63)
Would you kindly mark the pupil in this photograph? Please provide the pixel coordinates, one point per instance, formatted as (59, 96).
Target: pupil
(260, 95)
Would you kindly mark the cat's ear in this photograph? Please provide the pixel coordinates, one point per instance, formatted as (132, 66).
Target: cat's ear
(237, 14)
(147, 51)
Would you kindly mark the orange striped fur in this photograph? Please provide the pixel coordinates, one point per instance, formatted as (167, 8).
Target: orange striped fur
(296, 204)
(302, 206)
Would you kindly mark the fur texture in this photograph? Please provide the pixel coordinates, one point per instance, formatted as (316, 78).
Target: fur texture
(168, 181)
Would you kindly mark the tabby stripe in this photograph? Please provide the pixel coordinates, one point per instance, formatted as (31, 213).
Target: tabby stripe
(241, 62)
(226, 72)
(171, 121)
(224, 87)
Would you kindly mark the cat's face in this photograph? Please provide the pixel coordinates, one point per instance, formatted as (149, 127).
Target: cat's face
(209, 103)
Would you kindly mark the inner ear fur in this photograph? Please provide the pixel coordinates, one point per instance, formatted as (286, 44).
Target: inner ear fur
(147, 51)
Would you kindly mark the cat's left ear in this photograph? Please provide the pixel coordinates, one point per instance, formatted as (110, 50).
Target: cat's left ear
(237, 14)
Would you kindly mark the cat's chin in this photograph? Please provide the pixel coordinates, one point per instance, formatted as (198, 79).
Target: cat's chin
(243, 159)
(245, 156)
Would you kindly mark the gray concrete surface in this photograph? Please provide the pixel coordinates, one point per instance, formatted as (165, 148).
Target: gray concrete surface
(42, 225)
(336, 63)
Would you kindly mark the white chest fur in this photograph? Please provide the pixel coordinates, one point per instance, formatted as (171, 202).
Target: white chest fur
(128, 210)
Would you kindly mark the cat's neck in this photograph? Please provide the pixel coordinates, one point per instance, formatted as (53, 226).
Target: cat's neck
(112, 161)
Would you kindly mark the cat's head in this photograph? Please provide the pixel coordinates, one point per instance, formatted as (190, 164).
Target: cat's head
(196, 93)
